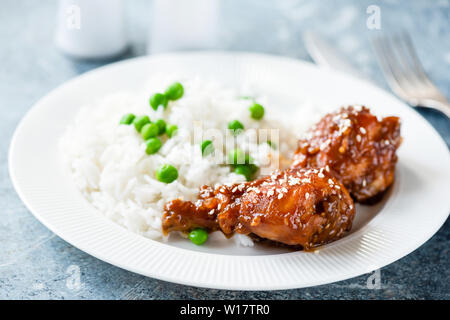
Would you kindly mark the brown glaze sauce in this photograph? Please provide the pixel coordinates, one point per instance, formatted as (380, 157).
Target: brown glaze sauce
(305, 207)
(359, 150)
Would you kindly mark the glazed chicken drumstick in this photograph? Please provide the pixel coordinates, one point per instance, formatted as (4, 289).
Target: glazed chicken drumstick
(306, 207)
(356, 148)
(308, 204)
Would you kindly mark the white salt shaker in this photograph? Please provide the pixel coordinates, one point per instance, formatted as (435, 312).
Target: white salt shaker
(91, 29)
(183, 25)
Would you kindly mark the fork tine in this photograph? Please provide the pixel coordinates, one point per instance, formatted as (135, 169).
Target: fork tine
(412, 78)
(423, 85)
(400, 66)
(388, 67)
(405, 75)
(413, 55)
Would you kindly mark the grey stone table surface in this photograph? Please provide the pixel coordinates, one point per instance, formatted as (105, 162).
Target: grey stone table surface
(37, 264)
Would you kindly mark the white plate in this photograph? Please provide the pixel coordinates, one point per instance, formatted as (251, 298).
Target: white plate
(416, 206)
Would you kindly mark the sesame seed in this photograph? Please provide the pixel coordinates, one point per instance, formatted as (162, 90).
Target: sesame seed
(293, 181)
(327, 168)
(364, 183)
(321, 175)
(330, 181)
(306, 195)
(211, 212)
(363, 131)
(270, 192)
(280, 196)
(386, 142)
(251, 189)
(358, 138)
(234, 189)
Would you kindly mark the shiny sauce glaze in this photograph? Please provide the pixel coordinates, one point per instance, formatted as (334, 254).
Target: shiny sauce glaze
(357, 148)
(301, 207)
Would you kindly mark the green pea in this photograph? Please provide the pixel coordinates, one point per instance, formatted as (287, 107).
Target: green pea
(171, 130)
(141, 121)
(166, 173)
(158, 99)
(207, 147)
(127, 119)
(245, 170)
(150, 130)
(236, 156)
(161, 125)
(153, 145)
(175, 91)
(246, 98)
(198, 236)
(236, 126)
(253, 168)
(256, 111)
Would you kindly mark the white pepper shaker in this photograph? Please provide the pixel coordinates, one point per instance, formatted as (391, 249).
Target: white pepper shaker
(91, 29)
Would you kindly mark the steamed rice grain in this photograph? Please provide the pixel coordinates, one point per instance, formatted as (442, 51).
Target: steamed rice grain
(111, 169)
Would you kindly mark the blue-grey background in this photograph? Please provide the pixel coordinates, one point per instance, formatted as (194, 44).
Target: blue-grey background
(36, 264)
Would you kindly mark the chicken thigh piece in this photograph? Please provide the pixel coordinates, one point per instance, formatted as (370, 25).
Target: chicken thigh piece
(306, 207)
(356, 148)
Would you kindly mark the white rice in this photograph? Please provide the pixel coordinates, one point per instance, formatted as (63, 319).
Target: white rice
(111, 169)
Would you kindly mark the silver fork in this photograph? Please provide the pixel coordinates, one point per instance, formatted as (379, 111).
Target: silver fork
(405, 74)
